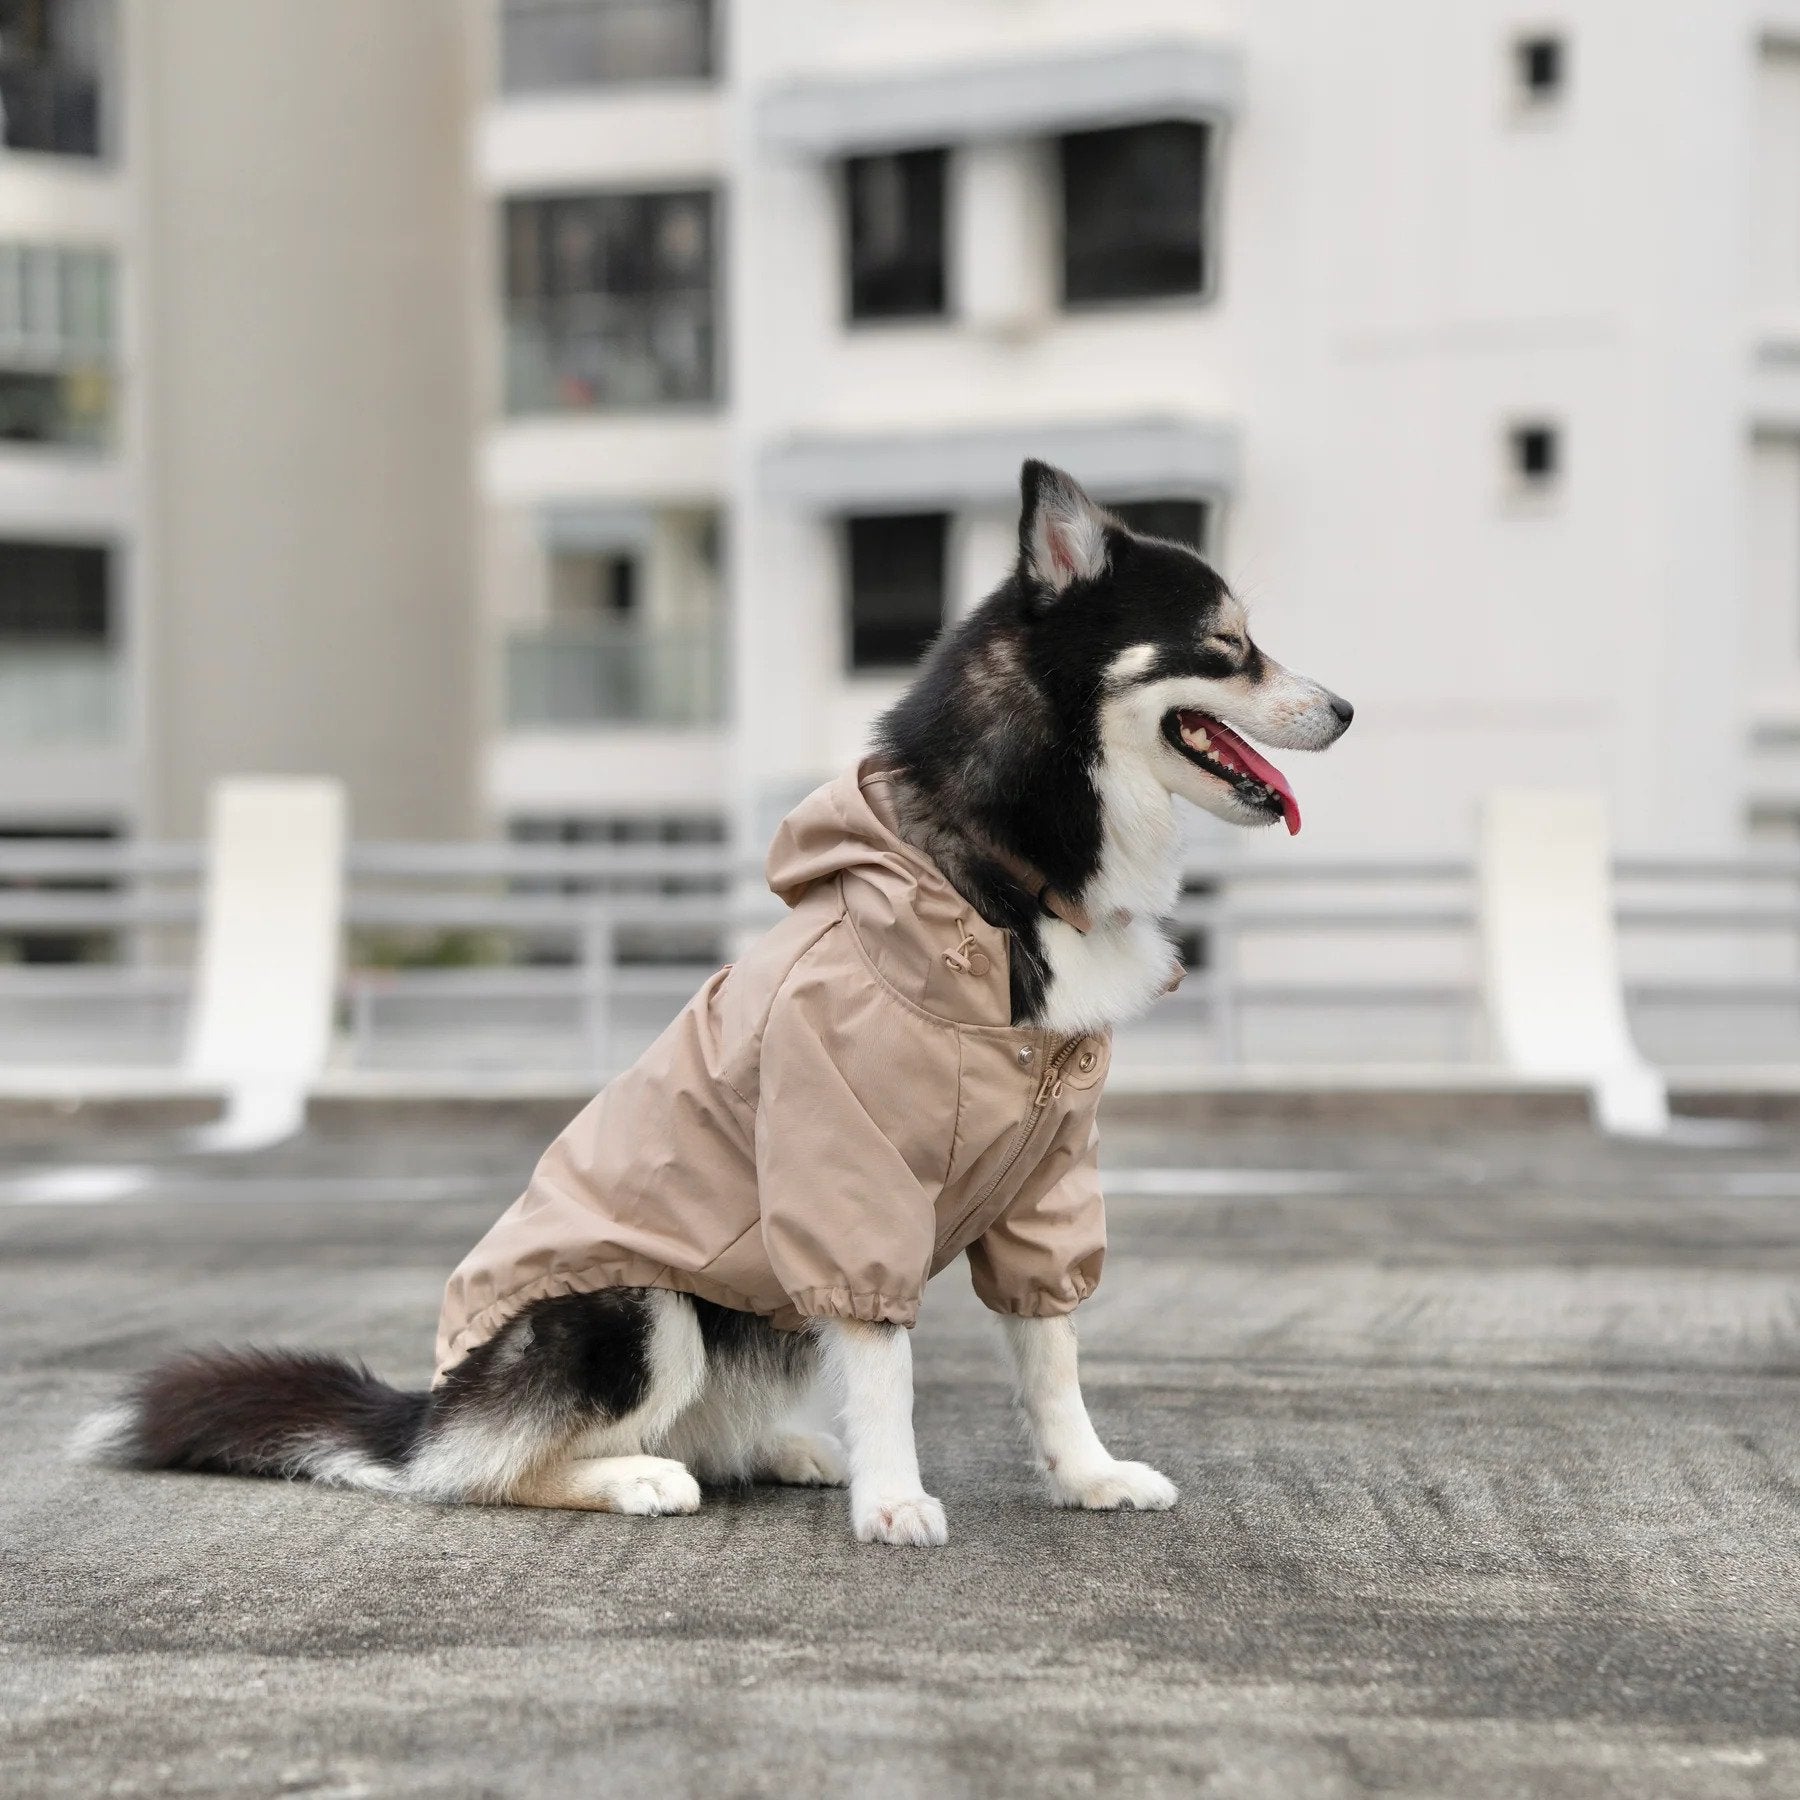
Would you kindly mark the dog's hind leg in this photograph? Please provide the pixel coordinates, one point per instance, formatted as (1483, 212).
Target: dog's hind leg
(645, 1485)
(569, 1406)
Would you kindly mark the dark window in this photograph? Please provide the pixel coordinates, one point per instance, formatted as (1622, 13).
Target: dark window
(609, 301)
(896, 587)
(51, 55)
(896, 234)
(1534, 454)
(1134, 212)
(53, 590)
(1540, 66)
(1183, 521)
(600, 43)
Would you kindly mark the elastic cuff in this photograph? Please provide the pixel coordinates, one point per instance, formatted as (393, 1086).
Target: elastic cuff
(1038, 1303)
(847, 1303)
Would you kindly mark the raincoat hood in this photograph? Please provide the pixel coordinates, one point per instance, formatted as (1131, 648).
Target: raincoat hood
(904, 912)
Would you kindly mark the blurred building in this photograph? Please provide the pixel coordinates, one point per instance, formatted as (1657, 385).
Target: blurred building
(235, 478)
(1462, 336)
(571, 417)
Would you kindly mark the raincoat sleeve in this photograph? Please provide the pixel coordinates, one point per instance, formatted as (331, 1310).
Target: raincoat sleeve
(1042, 1256)
(841, 1138)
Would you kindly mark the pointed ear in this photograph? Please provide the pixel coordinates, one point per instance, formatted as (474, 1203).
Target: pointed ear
(1062, 533)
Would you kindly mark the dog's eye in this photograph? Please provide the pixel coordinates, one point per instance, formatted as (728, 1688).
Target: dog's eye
(1231, 641)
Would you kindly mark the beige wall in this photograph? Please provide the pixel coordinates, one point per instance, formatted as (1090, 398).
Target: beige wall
(302, 175)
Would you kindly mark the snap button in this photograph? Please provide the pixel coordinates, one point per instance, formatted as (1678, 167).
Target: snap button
(978, 962)
(1085, 1061)
(1026, 1054)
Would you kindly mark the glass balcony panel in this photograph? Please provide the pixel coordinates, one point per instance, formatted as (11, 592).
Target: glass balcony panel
(58, 695)
(583, 352)
(592, 677)
(70, 407)
(547, 44)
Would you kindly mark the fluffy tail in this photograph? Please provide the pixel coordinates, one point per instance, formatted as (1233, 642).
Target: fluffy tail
(262, 1412)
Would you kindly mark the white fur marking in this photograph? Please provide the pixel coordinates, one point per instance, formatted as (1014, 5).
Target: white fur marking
(1080, 1470)
(871, 1367)
(107, 1436)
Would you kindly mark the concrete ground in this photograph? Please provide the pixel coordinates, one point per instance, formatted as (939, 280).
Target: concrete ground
(1488, 1446)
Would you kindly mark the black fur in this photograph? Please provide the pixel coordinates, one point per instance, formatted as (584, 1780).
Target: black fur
(257, 1412)
(1001, 728)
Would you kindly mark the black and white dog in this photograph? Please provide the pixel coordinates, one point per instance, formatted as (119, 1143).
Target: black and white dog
(1051, 730)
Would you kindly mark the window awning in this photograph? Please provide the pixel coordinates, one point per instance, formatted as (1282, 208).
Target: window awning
(1076, 90)
(979, 465)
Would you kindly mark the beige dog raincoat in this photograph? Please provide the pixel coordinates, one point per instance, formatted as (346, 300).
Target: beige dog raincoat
(828, 1122)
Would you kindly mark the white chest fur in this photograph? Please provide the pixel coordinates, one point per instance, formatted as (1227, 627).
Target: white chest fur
(1114, 972)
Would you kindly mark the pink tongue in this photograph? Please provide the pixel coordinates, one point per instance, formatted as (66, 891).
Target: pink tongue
(1264, 771)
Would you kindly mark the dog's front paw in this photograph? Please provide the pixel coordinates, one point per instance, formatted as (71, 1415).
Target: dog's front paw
(908, 1519)
(805, 1459)
(1111, 1485)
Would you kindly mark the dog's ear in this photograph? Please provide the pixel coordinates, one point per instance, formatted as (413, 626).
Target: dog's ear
(1062, 533)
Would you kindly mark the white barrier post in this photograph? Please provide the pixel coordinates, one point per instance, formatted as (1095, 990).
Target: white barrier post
(266, 981)
(1554, 992)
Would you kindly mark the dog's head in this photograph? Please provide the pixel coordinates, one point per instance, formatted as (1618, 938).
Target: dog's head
(1151, 629)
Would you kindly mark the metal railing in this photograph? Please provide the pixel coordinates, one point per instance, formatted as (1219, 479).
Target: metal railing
(57, 695)
(571, 677)
(552, 44)
(1364, 963)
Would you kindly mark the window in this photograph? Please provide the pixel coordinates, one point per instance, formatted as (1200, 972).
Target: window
(896, 234)
(59, 676)
(609, 301)
(51, 55)
(53, 591)
(896, 566)
(1534, 458)
(1540, 65)
(600, 43)
(55, 345)
(1134, 205)
(1182, 521)
(592, 586)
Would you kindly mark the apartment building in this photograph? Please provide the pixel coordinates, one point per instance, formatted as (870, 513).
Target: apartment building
(235, 477)
(1460, 336)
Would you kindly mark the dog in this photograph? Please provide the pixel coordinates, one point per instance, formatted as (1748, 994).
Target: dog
(973, 911)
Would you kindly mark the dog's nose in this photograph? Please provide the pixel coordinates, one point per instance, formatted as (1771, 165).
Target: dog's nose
(1344, 710)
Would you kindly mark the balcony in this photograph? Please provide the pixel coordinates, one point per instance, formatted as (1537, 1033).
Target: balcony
(592, 352)
(71, 409)
(49, 109)
(599, 677)
(559, 44)
(58, 695)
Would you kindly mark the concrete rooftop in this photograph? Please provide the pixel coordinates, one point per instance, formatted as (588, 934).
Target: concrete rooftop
(1488, 1445)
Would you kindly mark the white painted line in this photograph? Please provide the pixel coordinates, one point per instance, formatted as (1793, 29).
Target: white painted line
(74, 1186)
(1210, 1184)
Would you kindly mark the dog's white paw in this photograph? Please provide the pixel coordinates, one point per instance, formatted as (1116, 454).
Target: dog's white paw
(654, 1485)
(910, 1519)
(1112, 1485)
(805, 1459)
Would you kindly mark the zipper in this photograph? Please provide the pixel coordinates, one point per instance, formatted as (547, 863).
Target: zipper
(1049, 1089)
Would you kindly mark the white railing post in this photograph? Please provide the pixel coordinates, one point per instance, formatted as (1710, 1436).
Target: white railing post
(1552, 984)
(265, 987)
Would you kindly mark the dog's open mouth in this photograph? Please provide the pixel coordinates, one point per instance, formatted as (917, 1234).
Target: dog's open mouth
(1220, 751)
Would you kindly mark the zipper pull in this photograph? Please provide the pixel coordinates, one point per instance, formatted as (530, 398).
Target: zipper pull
(1050, 1088)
